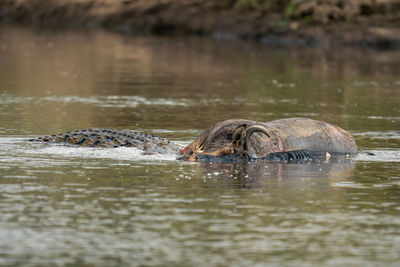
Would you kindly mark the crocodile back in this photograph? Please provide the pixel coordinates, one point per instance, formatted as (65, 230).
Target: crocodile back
(99, 137)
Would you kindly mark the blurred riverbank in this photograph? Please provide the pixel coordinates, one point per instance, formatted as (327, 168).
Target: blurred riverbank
(289, 22)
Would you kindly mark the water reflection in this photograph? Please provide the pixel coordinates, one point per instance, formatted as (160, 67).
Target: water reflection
(261, 173)
(105, 207)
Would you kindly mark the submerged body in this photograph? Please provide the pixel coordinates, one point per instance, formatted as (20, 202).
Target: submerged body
(293, 138)
(285, 139)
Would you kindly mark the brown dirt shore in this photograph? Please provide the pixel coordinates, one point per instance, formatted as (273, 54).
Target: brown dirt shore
(328, 23)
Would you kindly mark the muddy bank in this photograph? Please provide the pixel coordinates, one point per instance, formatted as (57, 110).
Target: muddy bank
(287, 22)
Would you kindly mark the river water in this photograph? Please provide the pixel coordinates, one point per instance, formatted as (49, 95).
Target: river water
(64, 205)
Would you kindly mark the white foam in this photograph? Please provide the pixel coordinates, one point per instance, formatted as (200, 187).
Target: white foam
(119, 153)
(382, 155)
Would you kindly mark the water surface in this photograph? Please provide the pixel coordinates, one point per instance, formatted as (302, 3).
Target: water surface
(63, 205)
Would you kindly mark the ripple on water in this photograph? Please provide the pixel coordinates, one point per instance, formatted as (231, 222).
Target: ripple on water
(16, 150)
(133, 101)
(349, 184)
(118, 101)
(387, 155)
(115, 101)
(379, 135)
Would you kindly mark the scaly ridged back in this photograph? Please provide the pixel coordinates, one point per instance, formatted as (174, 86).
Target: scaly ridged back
(98, 137)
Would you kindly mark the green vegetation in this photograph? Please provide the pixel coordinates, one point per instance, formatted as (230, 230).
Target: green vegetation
(290, 8)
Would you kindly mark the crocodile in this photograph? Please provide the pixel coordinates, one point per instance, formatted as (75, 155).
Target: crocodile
(107, 138)
(236, 139)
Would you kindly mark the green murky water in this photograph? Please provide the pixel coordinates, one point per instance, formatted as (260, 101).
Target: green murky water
(63, 205)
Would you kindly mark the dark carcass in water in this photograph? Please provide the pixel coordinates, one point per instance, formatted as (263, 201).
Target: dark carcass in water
(285, 139)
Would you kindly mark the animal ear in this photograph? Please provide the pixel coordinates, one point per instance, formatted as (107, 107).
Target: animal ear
(238, 134)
